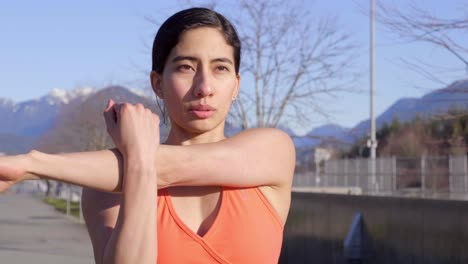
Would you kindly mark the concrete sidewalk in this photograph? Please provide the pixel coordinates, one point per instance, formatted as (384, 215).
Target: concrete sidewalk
(33, 232)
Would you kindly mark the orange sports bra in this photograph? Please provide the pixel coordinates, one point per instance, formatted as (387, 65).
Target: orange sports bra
(246, 230)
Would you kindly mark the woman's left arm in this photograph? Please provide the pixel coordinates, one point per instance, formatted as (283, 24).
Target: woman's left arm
(254, 157)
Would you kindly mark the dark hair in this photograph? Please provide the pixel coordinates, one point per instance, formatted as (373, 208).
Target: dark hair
(182, 21)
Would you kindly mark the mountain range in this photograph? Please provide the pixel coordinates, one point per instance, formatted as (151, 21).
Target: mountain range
(454, 96)
(26, 122)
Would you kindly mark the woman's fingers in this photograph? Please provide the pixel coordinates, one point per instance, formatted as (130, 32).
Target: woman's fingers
(119, 106)
(109, 115)
(110, 103)
(12, 170)
(4, 186)
(8, 173)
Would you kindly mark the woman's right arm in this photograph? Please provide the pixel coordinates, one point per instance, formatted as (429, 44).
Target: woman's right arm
(252, 158)
(109, 218)
(134, 238)
(101, 170)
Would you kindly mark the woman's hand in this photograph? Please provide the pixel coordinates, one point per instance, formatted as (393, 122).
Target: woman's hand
(133, 128)
(13, 169)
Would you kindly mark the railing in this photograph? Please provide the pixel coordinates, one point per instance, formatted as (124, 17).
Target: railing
(68, 192)
(426, 176)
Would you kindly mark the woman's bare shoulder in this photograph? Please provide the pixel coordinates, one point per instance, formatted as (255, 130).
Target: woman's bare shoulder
(266, 134)
(271, 141)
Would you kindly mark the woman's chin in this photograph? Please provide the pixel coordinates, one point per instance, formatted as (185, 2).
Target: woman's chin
(203, 126)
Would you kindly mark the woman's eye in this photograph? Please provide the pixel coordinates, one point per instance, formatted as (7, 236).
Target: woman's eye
(222, 68)
(184, 68)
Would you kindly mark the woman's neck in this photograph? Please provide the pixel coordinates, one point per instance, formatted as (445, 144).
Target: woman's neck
(180, 136)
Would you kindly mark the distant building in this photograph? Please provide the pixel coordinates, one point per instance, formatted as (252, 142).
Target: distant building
(322, 154)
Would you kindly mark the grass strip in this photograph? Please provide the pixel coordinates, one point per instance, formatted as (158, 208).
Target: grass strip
(61, 206)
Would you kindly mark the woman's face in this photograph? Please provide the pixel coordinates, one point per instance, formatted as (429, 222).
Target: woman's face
(199, 81)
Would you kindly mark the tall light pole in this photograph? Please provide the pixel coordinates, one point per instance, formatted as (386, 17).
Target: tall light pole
(372, 143)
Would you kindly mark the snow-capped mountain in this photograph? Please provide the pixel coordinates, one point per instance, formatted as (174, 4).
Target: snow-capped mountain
(24, 122)
(80, 125)
(64, 97)
(33, 117)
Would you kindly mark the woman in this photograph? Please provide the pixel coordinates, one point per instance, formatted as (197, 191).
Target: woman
(219, 200)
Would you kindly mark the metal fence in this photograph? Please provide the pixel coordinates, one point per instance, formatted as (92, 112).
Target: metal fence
(431, 176)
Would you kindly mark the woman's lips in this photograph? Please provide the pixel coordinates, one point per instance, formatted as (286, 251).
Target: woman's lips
(202, 111)
(202, 114)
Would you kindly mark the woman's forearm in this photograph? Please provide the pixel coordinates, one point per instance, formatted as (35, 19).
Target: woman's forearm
(101, 170)
(134, 239)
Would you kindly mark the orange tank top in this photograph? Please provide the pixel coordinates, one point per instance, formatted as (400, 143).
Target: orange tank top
(246, 230)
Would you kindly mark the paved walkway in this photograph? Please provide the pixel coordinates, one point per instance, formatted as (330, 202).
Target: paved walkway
(33, 232)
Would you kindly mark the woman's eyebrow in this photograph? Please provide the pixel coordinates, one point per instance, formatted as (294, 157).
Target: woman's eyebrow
(180, 58)
(225, 60)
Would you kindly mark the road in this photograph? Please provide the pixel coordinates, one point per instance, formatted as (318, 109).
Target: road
(33, 232)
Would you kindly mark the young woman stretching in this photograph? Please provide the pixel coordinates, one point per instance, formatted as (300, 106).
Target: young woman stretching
(199, 197)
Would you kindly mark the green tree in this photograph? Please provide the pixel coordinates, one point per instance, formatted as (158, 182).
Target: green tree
(457, 130)
(395, 127)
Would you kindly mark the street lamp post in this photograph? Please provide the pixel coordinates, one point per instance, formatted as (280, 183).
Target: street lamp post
(373, 141)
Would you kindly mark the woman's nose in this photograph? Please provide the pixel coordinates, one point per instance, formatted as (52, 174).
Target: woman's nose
(203, 85)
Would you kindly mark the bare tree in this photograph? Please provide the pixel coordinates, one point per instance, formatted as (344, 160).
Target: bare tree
(80, 125)
(291, 62)
(411, 141)
(413, 23)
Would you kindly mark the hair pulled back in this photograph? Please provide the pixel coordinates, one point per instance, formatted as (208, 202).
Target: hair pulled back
(170, 31)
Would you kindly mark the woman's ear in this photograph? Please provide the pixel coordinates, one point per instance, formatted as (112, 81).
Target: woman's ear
(156, 84)
(236, 90)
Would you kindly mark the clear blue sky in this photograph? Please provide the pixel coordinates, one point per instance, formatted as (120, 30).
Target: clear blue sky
(68, 44)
